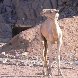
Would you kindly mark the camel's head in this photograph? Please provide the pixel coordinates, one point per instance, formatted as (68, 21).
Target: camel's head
(50, 13)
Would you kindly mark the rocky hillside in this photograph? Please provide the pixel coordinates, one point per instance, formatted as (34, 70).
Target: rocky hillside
(26, 13)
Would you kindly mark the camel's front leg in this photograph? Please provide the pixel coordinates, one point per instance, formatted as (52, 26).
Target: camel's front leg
(47, 66)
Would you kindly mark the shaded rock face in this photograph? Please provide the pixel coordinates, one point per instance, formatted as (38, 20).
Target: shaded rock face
(17, 30)
(5, 29)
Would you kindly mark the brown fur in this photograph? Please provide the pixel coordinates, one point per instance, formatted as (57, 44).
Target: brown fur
(51, 33)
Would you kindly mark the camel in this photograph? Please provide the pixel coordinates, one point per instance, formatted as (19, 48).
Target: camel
(51, 33)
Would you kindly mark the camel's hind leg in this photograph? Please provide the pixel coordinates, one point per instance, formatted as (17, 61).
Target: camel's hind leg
(59, 43)
(45, 65)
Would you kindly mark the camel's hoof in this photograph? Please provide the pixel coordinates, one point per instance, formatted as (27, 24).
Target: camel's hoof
(47, 72)
(59, 74)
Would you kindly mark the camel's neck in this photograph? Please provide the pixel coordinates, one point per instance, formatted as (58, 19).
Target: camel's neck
(53, 22)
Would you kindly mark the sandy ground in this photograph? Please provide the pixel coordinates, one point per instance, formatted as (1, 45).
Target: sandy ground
(16, 68)
(13, 71)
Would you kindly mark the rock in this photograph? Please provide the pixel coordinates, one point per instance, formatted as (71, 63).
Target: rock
(5, 30)
(54, 3)
(1, 19)
(7, 2)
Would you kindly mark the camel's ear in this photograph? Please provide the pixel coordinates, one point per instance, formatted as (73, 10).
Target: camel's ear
(57, 11)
